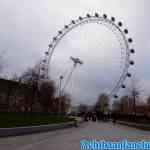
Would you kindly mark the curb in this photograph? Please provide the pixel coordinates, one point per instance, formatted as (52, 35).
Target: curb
(139, 126)
(5, 132)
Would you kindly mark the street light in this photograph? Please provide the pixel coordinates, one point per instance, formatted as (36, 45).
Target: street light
(60, 92)
(60, 83)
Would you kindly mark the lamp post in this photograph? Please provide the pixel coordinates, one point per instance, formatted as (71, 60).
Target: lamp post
(60, 92)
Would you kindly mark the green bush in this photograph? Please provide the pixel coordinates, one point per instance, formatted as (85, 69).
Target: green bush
(19, 119)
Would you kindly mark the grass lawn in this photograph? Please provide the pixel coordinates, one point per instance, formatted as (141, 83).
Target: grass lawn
(18, 119)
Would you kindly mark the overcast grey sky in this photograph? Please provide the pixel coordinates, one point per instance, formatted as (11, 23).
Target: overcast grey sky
(26, 27)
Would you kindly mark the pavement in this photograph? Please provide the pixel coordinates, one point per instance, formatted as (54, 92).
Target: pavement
(69, 139)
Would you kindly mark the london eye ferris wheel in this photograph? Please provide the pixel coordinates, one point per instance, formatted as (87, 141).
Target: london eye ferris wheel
(119, 34)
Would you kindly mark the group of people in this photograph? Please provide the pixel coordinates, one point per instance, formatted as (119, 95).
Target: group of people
(100, 116)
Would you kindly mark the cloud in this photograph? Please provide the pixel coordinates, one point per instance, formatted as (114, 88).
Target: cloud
(26, 28)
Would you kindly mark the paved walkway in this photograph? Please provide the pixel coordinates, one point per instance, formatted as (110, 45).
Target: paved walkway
(68, 139)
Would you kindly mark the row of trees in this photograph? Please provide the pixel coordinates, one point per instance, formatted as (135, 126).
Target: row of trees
(130, 103)
(36, 91)
(46, 92)
(101, 105)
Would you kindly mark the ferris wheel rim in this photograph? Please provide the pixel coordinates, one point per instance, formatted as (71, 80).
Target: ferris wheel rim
(93, 19)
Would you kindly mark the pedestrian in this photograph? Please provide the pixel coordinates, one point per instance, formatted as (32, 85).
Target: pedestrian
(114, 117)
(76, 124)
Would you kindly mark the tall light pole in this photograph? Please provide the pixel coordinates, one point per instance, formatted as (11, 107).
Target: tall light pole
(60, 83)
(60, 92)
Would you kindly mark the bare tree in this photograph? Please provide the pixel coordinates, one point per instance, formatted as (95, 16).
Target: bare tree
(47, 92)
(148, 100)
(1, 66)
(65, 103)
(102, 103)
(15, 77)
(2, 53)
(31, 78)
(134, 93)
(82, 109)
(126, 104)
(116, 105)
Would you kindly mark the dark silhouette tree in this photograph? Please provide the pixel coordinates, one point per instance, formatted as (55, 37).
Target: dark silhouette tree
(134, 93)
(116, 106)
(65, 103)
(47, 96)
(2, 65)
(148, 100)
(82, 109)
(15, 77)
(103, 102)
(31, 78)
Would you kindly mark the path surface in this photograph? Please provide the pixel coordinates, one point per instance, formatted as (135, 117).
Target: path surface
(68, 139)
